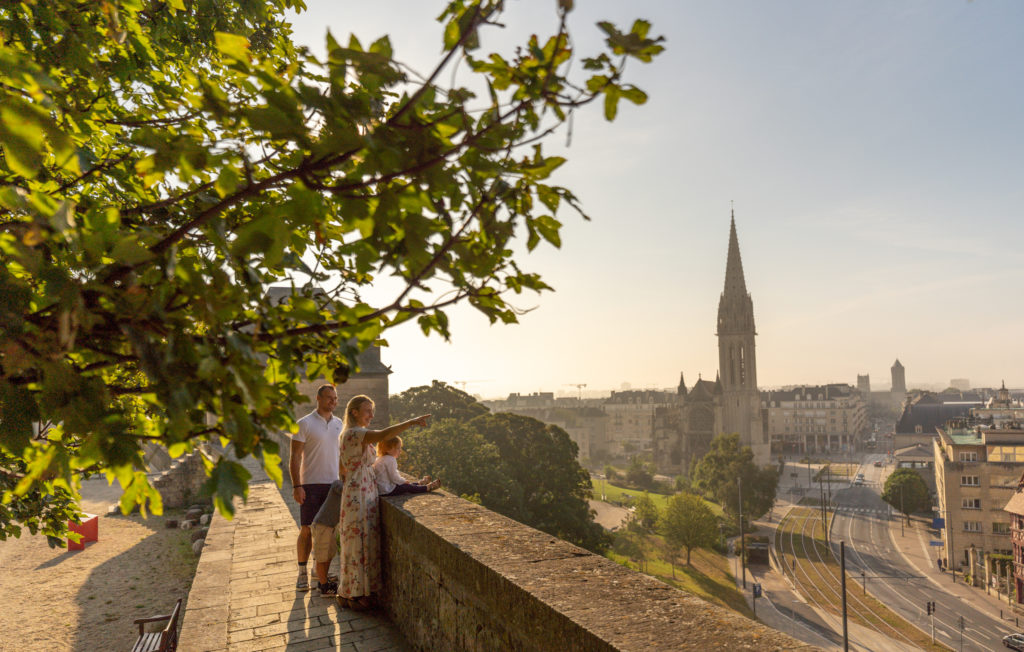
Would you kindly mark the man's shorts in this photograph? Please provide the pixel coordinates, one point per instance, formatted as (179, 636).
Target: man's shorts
(325, 545)
(316, 494)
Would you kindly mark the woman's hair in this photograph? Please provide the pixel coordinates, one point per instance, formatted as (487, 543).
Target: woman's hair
(354, 404)
(388, 445)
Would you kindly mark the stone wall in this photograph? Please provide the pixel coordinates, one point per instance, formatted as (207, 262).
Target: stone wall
(180, 484)
(461, 577)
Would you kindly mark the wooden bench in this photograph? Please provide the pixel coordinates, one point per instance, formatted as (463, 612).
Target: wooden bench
(166, 640)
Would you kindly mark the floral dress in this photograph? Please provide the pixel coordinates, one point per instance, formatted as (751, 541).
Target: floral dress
(360, 572)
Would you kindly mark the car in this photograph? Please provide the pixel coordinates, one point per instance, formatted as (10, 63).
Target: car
(858, 482)
(1014, 641)
(878, 462)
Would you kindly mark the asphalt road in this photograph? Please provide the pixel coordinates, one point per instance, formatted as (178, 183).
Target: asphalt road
(862, 520)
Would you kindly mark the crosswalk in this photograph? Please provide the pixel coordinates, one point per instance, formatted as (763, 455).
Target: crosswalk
(862, 510)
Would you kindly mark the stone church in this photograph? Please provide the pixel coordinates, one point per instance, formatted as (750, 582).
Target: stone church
(732, 402)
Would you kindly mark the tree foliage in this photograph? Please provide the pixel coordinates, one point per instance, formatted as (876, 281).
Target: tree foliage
(517, 466)
(907, 492)
(717, 472)
(439, 399)
(164, 162)
(689, 523)
(646, 511)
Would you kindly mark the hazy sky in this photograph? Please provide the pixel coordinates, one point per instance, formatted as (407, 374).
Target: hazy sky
(875, 153)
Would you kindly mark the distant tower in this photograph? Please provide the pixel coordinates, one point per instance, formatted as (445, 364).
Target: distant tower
(864, 384)
(737, 365)
(899, 379)
(681, 390)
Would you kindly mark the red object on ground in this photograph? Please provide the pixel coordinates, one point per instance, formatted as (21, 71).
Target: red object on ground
(89, 528)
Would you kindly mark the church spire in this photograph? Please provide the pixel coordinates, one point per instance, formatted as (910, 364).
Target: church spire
(735, 285)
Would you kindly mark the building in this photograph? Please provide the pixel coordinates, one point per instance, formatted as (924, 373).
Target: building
(924, 412)
(737, 361)
(977, 470)
(582, 419)
(630, 427)
(864, 385)
(819, 419)
(1015, 510)
(963, 384)
(899, 379)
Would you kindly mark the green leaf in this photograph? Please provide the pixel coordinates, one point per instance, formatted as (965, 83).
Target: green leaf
(452, 33)
(19, 408)
(227, 480)
(128, 251)
(611, 102)
(233, 46)
(227, 181)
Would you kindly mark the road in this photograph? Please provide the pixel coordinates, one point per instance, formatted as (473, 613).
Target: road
(863, 521)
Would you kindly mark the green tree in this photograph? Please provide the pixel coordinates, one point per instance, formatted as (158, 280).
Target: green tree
(465, 462)
(639, 473)
(717, 472)
(518, 466)
(163, 163)
(438, 399)
(688, 523)
(907, 492)
(541, 459)
(646, 511)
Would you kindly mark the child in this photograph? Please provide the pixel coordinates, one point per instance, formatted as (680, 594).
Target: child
(325, 530)
(389, 481)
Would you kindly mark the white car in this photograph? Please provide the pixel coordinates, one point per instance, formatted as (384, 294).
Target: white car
(1014, 641)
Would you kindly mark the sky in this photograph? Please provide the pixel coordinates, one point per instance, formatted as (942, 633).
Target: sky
(873, 152)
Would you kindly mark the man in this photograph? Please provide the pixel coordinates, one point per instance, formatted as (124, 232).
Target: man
(313, 467)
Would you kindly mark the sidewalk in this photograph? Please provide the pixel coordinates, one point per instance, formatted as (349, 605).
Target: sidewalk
(914, 548)
(244, 598)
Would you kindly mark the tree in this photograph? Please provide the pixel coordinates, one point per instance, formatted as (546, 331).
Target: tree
(163, 163)
(518, 466)
(716, 477)
(646, 511)
(541, 460)
(639, 474)
(688, 523)
(907, 492)
(438, 399)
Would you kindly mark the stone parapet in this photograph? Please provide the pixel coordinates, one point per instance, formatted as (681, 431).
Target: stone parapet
(181, 483)
(461, 577)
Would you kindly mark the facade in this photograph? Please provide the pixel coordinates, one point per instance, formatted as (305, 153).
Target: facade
(819, 419)
(737, 361)
(899, 379)
(1015, 510)
(864, 385)
(631, 420)
(977, 471)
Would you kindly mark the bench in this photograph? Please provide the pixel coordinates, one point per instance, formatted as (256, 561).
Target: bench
(166, 640)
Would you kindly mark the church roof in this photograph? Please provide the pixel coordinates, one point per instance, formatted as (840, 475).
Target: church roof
(704, 390)
(735, 284)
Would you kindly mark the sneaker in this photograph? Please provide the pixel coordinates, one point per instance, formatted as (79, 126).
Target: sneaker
(328, 590)
(302, 584)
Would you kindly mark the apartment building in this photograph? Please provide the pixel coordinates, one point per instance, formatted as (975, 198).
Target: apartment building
(815, 419)
(977, 470)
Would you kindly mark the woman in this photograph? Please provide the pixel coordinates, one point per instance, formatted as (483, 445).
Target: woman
(360, 575)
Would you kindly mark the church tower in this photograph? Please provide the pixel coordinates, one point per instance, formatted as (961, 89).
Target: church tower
(737, 364)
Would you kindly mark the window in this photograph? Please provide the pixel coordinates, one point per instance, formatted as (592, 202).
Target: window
(972, 503)
(968, 456)
(969, 481)
(1013, 454)
(972, 526)
(918, 430)
(1000, 528)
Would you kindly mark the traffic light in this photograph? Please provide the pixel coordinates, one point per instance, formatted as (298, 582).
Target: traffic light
(930, 607)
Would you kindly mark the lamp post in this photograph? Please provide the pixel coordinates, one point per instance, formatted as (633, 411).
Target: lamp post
(743, 540)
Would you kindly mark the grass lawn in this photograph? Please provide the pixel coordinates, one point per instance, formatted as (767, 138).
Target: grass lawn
(709, 576)
(615, 494)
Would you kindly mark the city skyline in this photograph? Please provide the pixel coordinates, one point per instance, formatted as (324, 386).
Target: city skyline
(874, 154)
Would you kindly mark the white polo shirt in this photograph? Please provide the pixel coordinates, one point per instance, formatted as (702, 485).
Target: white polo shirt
(321, 448)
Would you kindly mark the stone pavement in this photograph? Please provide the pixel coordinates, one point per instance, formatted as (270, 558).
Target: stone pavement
(244, 598)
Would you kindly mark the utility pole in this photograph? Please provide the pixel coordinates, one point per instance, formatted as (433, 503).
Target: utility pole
(743, 539)
(824, 519)
(842, 579)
